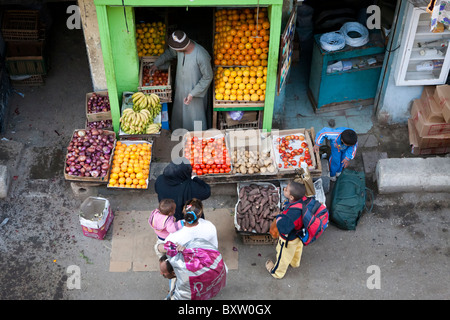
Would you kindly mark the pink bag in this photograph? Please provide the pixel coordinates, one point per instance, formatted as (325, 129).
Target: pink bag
(200, 270)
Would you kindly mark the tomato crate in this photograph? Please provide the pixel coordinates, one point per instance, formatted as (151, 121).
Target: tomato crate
(20, 25)
(164, 92)
(305, 136)
(192, 150)
(26, 58)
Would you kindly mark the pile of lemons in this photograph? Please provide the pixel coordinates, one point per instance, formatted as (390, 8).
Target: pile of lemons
(240, 83)
(150, 38)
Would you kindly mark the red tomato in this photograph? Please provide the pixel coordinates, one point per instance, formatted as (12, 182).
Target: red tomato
(199, 172)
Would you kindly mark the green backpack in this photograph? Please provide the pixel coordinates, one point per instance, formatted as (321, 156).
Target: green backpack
(348, 199)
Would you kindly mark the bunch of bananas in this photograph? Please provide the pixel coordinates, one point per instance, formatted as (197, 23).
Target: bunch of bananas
(151, 102)
(135, 122)
(153, 128)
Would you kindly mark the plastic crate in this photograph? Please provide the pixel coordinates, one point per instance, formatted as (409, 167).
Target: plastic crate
(20, 25)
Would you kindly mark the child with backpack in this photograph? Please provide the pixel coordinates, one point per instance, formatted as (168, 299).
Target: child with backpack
(344, 142)
(301, 222)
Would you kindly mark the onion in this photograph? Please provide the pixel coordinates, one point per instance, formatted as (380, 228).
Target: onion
(94, 173)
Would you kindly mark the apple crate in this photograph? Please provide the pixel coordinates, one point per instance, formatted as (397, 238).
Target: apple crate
(163, 92)
(20, 25)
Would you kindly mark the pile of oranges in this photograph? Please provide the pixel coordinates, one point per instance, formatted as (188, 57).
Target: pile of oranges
(240, 83)
(130, 165)
(241, 37)
(150, 38)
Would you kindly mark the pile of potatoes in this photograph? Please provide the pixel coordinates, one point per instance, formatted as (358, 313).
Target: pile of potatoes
(250, 162)
(257, 207)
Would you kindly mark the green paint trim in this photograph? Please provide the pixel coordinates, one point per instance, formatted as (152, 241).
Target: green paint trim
(108, 59)
(275, 13)
(188, 3)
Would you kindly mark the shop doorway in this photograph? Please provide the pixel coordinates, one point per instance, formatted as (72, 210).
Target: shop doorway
(313, 19)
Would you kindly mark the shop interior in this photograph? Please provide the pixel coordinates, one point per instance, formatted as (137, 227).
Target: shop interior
(319, 17)
(313, 18)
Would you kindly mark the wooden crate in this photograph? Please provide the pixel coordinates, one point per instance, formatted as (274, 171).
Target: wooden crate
(32, 81)
(20, 25)
(224, 123)
(308, 140)
(91, 179)
(257, 239)
(163, 92)
(26, 58)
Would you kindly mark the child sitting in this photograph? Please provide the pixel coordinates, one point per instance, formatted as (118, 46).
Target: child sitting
(162, 220)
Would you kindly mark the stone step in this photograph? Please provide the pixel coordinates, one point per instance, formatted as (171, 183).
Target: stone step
(413, 175)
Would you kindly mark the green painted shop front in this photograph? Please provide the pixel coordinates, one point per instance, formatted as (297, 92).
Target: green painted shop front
(117, 27)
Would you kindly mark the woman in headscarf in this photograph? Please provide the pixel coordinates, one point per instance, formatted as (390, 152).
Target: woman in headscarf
(177, 183)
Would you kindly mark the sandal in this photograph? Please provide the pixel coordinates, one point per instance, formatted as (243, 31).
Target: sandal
(269, 265)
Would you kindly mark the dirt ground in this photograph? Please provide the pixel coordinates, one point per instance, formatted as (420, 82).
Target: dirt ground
(406, 235)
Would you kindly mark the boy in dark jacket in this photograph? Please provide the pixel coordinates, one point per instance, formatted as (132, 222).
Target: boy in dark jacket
(289, 222)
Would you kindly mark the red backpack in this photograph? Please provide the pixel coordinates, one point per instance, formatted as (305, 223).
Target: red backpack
(312, 222)
(315, 221)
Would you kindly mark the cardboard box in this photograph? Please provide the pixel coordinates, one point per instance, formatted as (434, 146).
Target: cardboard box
(251, 140)
(442, 95)
(91, 117)
(95, 217)
(429, 107)
(427, 128)
(427, 145)
(446, 113)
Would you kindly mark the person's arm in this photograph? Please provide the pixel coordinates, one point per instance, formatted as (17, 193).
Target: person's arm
(320, 137)
(349, 155)
(201, 190)
(168, 55)
(172, 225)
(285, 224)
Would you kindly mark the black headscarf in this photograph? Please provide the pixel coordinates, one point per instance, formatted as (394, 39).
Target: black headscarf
(176, 183)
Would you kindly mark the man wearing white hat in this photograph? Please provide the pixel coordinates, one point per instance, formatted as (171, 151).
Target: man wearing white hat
(193, 78)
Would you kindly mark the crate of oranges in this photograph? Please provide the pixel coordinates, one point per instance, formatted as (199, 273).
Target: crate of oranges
(241, 37)
(131, 165)
(245, 86)
(150, 39)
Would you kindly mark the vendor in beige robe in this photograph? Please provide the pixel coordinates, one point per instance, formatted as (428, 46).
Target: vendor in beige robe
(193, 78)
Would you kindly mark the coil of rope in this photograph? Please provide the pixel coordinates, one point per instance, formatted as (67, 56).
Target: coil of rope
(332, 41)
(355, 27)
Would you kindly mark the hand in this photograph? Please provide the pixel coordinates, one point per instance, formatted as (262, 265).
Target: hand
(188, 99)
(316, 148)
(180, 248)
(345, 163)
(153, 69)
